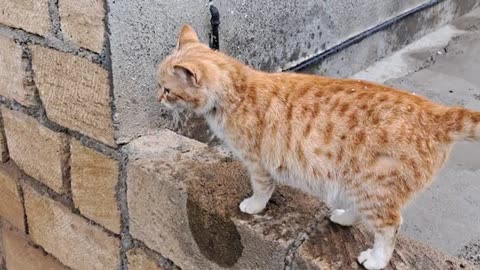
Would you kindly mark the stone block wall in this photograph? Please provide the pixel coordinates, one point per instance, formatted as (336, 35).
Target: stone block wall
(62, 186)
(74, 194)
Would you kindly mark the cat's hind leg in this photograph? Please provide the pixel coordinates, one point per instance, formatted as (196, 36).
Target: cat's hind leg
(385, 224)
(263, 186)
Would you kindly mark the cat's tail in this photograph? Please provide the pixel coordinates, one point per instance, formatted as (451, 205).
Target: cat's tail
(462, 124)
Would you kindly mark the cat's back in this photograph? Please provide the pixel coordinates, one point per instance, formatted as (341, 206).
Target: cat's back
(337, 114)
(357, 91)
(354, 100)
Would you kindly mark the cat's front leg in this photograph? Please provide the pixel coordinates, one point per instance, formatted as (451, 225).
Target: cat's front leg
(262, 186)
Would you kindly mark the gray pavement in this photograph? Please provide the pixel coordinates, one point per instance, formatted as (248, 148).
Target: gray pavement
(445, 67)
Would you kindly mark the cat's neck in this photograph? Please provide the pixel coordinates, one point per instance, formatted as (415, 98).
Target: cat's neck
(237, 78)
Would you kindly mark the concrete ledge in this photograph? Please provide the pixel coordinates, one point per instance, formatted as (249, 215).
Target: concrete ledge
(183, 203)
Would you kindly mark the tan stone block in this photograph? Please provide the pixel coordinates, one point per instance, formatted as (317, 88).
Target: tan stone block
(139, 260)
(12, 73)
(75, 92)
(69, 237)
(37, 150)
(19, 254)
(29, 15)
(94, 181)
(83, 22)
(11, 207)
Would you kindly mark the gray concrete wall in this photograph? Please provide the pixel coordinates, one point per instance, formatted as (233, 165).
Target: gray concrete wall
(271, 35)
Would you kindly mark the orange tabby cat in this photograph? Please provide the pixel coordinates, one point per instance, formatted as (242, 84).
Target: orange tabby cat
(364, 148)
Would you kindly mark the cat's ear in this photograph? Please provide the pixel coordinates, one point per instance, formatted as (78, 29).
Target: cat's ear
(187, 35)
(189, 73)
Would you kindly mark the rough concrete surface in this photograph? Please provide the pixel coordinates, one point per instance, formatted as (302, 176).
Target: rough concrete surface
(444, 66)
(270, 35)
(334, 247)
(183, 203)
(364, 53)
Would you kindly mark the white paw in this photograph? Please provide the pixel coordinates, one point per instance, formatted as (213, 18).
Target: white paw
(252, 205)
(342, 217)
(368, 259)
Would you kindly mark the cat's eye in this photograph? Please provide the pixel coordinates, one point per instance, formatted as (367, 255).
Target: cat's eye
(166, 90)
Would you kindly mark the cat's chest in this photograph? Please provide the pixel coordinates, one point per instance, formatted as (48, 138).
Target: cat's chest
(217, 126)
(235, 144)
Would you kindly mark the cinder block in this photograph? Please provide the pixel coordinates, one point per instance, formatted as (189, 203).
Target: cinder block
(183, 202)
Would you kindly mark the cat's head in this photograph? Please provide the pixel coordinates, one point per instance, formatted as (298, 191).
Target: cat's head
(190, 78)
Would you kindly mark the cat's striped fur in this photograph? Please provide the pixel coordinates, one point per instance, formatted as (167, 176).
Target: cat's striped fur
(364, 148)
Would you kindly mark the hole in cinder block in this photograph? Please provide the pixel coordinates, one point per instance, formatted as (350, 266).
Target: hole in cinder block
(216, 236)
(212, 199)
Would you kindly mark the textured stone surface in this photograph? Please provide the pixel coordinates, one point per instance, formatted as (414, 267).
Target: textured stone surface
(75, 93)
(94, 180)
(29, 15)
(331, 246)
(183, 202)
(139, 260)
(12, 73)
(70, 238)
(11, 207)
(39, 151)
(471, 252)
(19, 254)
(83, 22)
